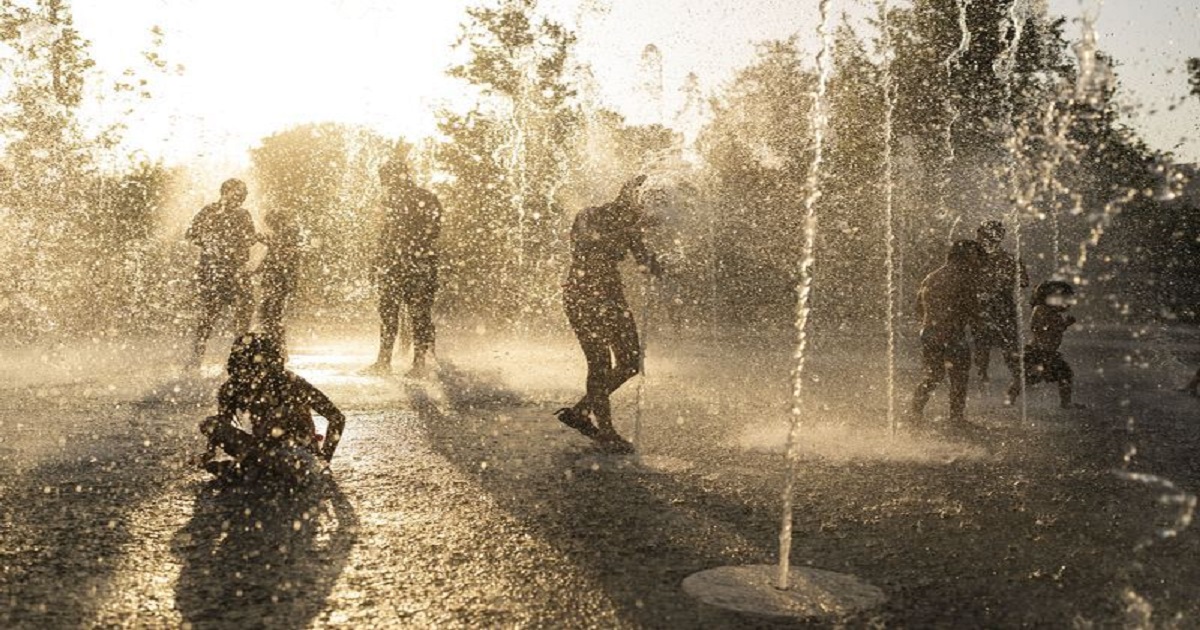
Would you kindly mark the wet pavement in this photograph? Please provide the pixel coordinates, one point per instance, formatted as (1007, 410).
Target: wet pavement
(457, 500)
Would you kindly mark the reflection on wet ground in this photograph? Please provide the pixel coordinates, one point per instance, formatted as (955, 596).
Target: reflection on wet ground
(459, 501)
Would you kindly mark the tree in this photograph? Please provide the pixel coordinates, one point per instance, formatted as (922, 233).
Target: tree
(326, 174)
(529, 118)
(756, 150)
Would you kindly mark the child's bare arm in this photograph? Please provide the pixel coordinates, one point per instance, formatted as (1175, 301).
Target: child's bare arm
(321, 404)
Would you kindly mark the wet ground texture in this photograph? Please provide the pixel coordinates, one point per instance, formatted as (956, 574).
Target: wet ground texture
(458, 501)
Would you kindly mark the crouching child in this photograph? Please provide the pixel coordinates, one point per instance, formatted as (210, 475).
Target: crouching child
(1043, 361)
(282, 440)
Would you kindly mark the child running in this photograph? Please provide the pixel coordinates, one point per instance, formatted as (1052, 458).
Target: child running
(1043, 362)
(594, 299)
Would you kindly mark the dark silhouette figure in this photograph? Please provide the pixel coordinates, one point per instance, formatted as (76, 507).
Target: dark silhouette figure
(998, 279)
(594, 300)
(1043, 362)
(279, 405)
(224, 231)
(279, 272)
(406, 267)
(947, 305)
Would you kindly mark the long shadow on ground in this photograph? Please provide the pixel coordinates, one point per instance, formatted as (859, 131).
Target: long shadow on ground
(262, 557)
(1046, 535)
(636, 533)
(66, 523)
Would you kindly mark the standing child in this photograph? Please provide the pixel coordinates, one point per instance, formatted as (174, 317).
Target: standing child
(224, 232)
(594, 300)
(279, 271)
(947, 305)
(279, 406)
(1043, 362)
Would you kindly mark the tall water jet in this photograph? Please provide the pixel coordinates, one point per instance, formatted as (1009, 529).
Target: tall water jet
(820, 120)
(753, 589)
(889, 108)
(952, 115)
(1011, 28)
(651, 71)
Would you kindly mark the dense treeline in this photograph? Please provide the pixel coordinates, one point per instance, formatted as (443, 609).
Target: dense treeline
(1000, 120)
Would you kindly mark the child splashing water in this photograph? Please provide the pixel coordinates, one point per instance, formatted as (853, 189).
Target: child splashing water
(282, 440)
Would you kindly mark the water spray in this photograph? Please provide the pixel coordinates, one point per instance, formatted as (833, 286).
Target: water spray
(1004, 67)
(889, 108)
(647, 293)
(952, 112)
(804, 290)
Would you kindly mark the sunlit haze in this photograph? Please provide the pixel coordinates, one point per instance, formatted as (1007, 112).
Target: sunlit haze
(252, 68)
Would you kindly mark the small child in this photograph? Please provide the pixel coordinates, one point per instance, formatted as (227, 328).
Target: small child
(1043, 362)
(279, 272)
(279, 405)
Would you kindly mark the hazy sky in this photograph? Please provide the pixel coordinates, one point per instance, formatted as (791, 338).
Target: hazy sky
(257, 66)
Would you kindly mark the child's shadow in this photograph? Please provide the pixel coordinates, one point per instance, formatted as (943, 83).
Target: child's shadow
(255, 558)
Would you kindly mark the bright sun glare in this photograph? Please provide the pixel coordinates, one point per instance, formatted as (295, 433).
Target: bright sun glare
(249, 69)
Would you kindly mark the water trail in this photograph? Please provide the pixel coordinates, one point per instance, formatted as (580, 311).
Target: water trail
(889, 100)
(647, 295)
(1011, 28)
(1090, 87)
(819, 122)
(952, 115)
(1184, 501)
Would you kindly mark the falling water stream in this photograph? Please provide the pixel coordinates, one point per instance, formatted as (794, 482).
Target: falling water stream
(952, 115)
(1011, 28)
(804, 291)
(889, 238)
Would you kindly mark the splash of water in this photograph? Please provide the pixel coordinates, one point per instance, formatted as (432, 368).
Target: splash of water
(820, 120)
(651, 70)
(1174, 496)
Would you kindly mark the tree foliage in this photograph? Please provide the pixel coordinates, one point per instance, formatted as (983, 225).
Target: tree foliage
(522, 127)
(78, 247)
(326, 175)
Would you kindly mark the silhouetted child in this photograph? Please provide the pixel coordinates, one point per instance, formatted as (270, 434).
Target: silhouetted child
(278, 405)
(594, 300)
(224, 232)
(279, 271)
(1000, 275)
(1043, 362)
(947, 305)
(406, 266)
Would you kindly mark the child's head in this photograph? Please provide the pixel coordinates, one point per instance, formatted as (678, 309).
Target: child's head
(990, 234)
(233, 192)
(253, 355)
(1053, 293)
